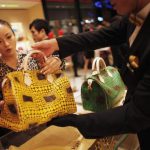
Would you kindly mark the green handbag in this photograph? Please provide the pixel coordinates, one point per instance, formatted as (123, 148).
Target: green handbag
(103, 89)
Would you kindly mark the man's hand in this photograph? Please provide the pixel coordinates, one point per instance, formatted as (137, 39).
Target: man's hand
(47, 46)
(52, 65)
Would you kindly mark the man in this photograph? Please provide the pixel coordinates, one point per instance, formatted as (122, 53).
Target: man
(134, 115)
(40, 30)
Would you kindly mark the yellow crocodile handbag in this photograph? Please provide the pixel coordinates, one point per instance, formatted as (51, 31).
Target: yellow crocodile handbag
(32, 98)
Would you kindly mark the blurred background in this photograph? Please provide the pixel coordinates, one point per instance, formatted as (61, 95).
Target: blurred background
(64, 17)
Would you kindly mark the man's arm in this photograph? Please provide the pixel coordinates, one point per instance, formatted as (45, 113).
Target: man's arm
(67, 45)
(113, 35)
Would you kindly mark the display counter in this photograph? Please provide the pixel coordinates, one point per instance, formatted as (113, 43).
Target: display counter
(57, 138)
(43, 137)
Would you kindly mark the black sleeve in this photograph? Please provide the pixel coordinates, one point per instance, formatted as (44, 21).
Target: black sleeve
(63, 63)
(115, 34)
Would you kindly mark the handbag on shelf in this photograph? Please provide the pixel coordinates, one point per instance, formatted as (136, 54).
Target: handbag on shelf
(32, 98)
(103, 89)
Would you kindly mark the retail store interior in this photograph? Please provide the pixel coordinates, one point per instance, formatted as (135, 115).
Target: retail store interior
(65, 17)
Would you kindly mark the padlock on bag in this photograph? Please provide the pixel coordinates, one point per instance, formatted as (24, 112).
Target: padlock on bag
(103, 89)
(32, 98)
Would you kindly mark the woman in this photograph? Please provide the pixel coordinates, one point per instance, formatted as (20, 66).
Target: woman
(10, 60)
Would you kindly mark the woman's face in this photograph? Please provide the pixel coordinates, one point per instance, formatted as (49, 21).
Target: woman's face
(7, 41)
(124, 7)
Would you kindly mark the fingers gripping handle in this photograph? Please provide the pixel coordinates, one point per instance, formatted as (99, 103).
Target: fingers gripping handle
(26, 59)
(27, 78)
(25, 67)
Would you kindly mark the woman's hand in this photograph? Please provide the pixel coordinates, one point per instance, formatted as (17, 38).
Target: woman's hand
(52, 65)
(46, 46)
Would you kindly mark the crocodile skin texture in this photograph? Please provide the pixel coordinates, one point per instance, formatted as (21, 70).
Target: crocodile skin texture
(105, 94)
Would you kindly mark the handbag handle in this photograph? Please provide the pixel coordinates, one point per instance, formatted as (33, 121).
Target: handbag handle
(103, 65)
(26, 59)
(96, 69)
(96, 64)
(100, 64)
(27, 78)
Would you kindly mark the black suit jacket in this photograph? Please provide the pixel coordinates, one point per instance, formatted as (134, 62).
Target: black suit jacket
(134, 115)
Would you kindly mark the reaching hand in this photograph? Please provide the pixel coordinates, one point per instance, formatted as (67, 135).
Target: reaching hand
(47, 46)
(52, 65)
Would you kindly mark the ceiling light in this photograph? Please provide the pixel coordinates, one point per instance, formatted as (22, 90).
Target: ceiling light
(9, 5)
(3, 5)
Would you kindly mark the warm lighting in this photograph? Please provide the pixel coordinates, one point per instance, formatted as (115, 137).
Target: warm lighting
(9, 5)
(3, 5)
